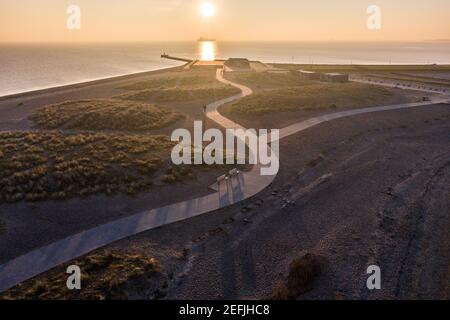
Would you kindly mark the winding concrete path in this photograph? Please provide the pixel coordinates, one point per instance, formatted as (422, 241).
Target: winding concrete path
(243, 186)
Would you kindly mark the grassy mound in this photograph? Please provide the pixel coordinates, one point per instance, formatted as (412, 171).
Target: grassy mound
(104, 115)
(187, 80)
(268, 80)
(182, 94)
(186, 87)
(104, 275)
(313, 96)
(50, 165)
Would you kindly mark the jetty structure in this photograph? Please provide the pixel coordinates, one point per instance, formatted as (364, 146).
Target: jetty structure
(166, 56)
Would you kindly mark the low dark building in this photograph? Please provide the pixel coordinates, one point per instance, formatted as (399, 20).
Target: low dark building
(334, 77)
(238, 64)
(309, 75)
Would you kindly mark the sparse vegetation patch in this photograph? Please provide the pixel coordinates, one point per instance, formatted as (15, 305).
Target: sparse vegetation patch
(268, 79)
(314, 96)
(186, 80)
(184, 87)
(107, 275)
(51, 165)
(182, 94)
(108, 114)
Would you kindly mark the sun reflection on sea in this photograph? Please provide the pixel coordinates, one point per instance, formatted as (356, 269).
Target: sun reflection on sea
(207, 50)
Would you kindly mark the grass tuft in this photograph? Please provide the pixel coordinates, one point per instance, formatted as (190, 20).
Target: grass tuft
(105, 114)
(191, 79)
(302, 272)
(310, 97)
(106, 275)
(181, 94)
(37, 166)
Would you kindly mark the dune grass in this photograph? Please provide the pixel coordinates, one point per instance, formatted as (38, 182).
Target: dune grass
(178, 173)
(106, 275)
(189, 79)
(108, 114)
(190, 86)
(266, 80)
(302, 272)
(181, 94)
(38, 166)
(310, 97)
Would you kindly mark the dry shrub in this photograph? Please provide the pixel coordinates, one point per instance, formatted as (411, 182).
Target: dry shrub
(302, 272)
(177, 173)
(108, 274)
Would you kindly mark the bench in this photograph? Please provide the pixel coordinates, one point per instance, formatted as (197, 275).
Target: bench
(222, 178)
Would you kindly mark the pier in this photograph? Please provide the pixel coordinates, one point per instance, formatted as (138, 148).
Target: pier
(166, 56)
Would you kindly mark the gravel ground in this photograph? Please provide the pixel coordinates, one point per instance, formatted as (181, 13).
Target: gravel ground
(371, 189)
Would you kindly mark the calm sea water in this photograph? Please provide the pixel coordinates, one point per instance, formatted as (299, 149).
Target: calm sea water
(29, 67)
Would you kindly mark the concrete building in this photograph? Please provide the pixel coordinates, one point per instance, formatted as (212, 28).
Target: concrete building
(309, 75)
(238, 64)
(334, 77)
(216, 64)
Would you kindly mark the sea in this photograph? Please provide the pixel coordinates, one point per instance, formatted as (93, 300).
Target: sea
(27, 67)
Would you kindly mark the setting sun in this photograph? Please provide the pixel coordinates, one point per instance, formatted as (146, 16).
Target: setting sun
(207, 10)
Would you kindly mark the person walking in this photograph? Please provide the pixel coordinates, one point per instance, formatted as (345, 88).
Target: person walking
(204, 109)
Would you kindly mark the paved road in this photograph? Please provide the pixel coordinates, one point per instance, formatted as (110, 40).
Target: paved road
(243, 186)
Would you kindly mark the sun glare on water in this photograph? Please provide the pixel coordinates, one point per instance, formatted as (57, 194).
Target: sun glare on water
(207, 50)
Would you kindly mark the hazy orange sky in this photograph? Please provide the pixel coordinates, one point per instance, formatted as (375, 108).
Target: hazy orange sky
(240, 20)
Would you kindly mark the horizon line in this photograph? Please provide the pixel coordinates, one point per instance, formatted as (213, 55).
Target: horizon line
(223, 41)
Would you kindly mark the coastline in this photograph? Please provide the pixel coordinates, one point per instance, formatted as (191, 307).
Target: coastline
(127, 76)
(82, 84)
